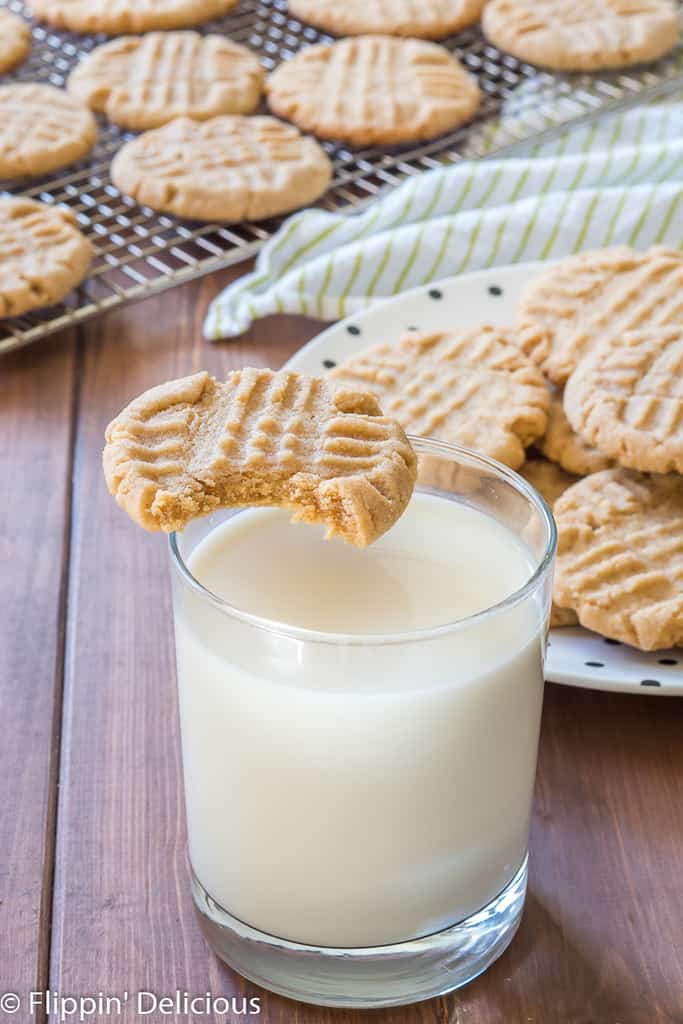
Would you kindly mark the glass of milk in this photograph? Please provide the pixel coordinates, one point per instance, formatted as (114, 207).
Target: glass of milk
(360, 732)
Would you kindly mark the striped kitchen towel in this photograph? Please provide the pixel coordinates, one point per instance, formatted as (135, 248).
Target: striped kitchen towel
(616, 180)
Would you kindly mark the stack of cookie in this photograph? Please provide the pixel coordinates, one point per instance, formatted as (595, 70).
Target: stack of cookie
(589, 383)
(607, 329)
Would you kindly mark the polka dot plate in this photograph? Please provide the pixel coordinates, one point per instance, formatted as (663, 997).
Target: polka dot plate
(575, 656)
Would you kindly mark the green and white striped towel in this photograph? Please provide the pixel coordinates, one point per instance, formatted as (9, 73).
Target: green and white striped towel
(617, 180)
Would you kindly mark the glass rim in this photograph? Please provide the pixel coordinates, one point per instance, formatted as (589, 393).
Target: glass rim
(422, 446)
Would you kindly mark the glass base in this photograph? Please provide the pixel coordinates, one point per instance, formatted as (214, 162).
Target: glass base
(406, 972)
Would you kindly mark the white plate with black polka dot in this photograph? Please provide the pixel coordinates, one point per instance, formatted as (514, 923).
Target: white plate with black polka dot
(575, 656)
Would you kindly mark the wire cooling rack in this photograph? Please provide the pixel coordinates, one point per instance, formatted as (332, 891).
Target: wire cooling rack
(139, 253)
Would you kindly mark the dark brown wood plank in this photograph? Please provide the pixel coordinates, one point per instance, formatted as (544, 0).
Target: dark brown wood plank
(122, 915)
(605, 914)
(600, 941)
(36, 418)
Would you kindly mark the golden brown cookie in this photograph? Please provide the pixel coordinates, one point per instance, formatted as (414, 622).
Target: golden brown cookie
(562, 618)
(15, 40)
(620, 556)
(227, 169)
(44, 255)
(549, 479)
(328, 453)
(626, 398)
(584, 36)
(41, 130)
(115, 17)
(473, 387)
(575, 304)
(374, 90)
(561, 444)
(143, 82)
(423, 19)
(551, 482)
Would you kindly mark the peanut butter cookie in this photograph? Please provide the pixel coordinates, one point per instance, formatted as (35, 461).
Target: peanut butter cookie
(143, 82)
(15, 40)
(561, 443)
(423, 19)
(551, 482)
(42, 129)
(626, 398)
(374, 90)
(44, 255)
(114, 17)
(575, 304)
(229, 168)
(620, 556)
(328, 453)
(474, 387)
(569, 36)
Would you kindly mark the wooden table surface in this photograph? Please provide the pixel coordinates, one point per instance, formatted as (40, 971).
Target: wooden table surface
(94, 893)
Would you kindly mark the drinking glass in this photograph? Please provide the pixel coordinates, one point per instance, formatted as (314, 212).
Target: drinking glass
(358, 806)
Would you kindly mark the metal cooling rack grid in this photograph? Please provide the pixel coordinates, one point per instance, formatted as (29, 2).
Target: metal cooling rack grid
(140, 252)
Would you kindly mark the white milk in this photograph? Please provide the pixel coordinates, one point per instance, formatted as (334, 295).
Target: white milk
(356, 794)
